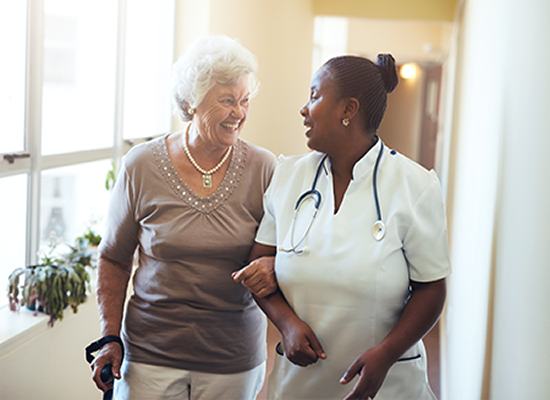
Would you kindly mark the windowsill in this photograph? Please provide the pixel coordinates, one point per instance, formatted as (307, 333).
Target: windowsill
(17, 328)
(20, 327)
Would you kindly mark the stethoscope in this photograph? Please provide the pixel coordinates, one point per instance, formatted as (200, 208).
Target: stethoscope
(378, 229)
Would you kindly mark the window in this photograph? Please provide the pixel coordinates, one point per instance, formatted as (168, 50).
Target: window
(12, 75)
(83, 78)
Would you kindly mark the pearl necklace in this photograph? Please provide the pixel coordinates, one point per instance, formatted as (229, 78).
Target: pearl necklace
(206, 175)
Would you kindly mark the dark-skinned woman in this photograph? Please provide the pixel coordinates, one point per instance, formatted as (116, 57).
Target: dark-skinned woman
(362, 258)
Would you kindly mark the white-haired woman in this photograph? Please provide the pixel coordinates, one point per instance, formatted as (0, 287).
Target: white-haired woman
(191, 202)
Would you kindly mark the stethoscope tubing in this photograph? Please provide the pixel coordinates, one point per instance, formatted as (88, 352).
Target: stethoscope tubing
(311, 192)
(379, 228)
(375, 183)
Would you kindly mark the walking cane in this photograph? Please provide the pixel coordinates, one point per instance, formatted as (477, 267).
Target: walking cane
(106, 374)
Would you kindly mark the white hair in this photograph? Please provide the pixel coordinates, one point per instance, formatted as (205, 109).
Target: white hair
(209, 60)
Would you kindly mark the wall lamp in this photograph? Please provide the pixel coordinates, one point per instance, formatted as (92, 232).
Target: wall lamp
(408, 71)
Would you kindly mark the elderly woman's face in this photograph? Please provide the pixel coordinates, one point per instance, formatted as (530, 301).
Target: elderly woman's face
(221, 115)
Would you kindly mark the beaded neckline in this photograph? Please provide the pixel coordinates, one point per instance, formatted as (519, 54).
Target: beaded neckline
(208, 204)
(206, 175)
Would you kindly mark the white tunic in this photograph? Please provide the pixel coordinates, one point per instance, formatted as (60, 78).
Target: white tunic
(348, 287)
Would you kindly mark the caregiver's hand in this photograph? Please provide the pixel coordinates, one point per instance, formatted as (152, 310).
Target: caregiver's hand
(372, 367)
(258, 276)
(300, 343)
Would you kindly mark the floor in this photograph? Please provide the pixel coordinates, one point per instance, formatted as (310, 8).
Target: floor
(431, 341)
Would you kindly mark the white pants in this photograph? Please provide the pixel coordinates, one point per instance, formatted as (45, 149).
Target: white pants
(150, 382)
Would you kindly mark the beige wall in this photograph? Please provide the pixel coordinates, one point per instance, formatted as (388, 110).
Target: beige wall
(421, 42)
(400, 128)
(51, 365)
(406, 40)
(281, 35)
(435, 10)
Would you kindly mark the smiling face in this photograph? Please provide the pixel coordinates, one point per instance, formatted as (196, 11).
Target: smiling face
(322, 113)
(221, 115)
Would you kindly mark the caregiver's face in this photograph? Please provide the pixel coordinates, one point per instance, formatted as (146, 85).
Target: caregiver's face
(322, 112)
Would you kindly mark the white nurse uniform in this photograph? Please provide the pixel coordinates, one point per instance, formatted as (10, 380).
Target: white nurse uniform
(350, 288)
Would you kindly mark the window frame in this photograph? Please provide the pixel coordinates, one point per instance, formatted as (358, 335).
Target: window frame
(30, 161)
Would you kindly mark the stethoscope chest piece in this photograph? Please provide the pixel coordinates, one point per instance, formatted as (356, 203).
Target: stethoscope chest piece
(379, 230)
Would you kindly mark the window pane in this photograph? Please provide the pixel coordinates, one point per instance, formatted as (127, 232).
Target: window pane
(13, 26)
(80, 40)
(72, 200)
(149, 57)
(13, 223)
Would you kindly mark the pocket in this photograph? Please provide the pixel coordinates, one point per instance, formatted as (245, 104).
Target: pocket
(407, 378)
(404, 359)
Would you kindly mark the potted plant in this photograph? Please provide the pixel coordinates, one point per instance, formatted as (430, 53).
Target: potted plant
(57, 282)
(85, 249)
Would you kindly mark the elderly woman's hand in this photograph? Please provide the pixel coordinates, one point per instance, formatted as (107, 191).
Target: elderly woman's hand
(258, 276)
(111, 353)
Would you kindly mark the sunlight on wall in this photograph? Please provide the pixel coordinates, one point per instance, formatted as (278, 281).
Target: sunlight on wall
(330, 38)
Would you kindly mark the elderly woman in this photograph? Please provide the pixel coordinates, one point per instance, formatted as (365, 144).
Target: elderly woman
(190, 202)
(361, 265)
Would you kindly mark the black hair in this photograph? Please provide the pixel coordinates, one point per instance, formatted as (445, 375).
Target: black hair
(369, 83)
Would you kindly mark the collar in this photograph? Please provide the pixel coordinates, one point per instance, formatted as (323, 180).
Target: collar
(362, 167)
(366, 163)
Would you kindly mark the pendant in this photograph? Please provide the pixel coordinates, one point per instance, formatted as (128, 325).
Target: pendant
(207, 181)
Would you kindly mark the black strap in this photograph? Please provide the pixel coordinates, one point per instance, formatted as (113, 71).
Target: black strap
(98, 344)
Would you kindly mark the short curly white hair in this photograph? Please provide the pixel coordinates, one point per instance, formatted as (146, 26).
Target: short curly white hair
(209, 60)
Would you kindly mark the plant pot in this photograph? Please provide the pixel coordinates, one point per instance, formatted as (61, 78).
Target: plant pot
(32, 307)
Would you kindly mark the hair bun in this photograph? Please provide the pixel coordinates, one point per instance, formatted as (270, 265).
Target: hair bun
(386, 63)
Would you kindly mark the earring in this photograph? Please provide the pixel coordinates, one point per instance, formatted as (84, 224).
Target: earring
(345, 121)
(191, 111)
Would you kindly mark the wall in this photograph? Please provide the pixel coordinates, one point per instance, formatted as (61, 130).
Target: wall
(497, 318)
(51, 365)
(280, 33)
(521, 348)
(400, 128)
(422, 42)
(418, 41)
(436, 10)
